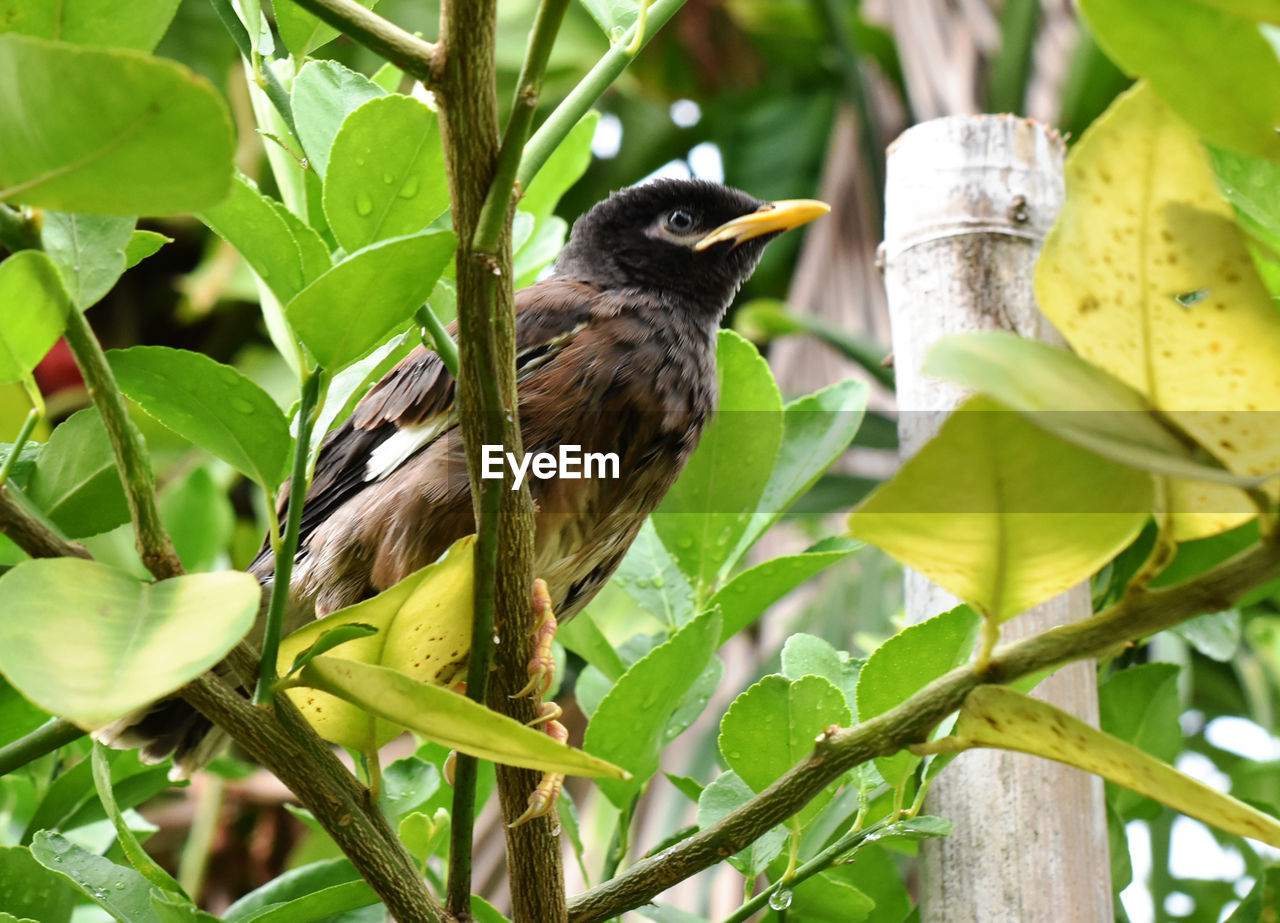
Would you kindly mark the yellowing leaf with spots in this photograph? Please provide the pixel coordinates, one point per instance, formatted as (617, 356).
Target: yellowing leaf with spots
(1003, 514)
(1147, 275)
(423, 630)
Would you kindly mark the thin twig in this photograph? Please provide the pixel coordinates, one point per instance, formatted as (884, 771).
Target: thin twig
(25, 528)
(51, 735)
(498, 200)
(415, 57)
(589, 89)
(1136, 616)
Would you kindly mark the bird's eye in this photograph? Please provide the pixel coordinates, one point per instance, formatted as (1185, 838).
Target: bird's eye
(680, 221)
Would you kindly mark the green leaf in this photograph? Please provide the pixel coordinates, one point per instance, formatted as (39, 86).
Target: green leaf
(1260, 900)
(89, 251)
(994, 716)
(33, 312)
(827, 898)
(817, 429)
(583, 636)
(1178, 46)
(772, 726)
(905, 664)
(726, 793)
(91, 643)
(301, 31)
(209, 403)
(329, 640)
(750, 593)
(1076, 401)
(406, 785)
(119, 890)
(133, 851)
(324, 94)
(613, 16)
(75, 482)
(388, 280)
(690, 788)
(143, 244)
(628, 726)
(652, 578)
(1214, 634)
(448, 718)
(709, 507)
(18, 717)
(138, 24)
(385, 177)
(108, 131)
(291, 885)
(540, 250)
(1003, 514)
(199, 517)
(249, 221)
(29, 890)
(171, 908)
(563, 168)
(1140, 706)
(807, 655)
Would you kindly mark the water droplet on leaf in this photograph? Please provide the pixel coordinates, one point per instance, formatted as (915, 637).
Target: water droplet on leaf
(364, 204)
(780, 899)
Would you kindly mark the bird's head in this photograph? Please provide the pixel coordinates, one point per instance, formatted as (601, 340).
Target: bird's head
(691, 239)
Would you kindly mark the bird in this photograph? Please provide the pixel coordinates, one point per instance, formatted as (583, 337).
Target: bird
(615, 353)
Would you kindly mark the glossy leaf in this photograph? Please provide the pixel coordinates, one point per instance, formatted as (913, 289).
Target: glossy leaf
(993, 716)
(1177, 46)
(1147, 275)
(613, 16)
(137, 857)
(563, 168)
(324, 94)
(807, 655)
(75, 482)
(143, 244)
(826, 896)
(292, 885)
(627, 727)
(652, 578)
(248, 221)
(388, 280)
(107, 131)
(1079, 402)
(1140, 706)
(329, 640)
(773, 725)
(1001, 513)
(33, 312)
(200, 519)
(211, 404)
(905, 664)
(91, 643)
(709, 507)
(89, 251)
(385, 177)
(118, 889)
(138, 24)
(748, 594)
(448, 718)
(31, 891)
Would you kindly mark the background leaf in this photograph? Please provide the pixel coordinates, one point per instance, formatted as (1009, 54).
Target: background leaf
(138, 24)
(89, 251)
(33, 312)
(75, 482)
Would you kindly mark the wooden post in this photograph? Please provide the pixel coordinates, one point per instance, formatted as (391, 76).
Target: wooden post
(968, 201)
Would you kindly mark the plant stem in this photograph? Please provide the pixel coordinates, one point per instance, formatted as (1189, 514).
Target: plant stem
(415, 57)
(154, 546)
(51, 735)
(29, 532)
(1137, 615)
(18, 229)
(582, 97)
(441, 342)
(493, 214)
(287, 549)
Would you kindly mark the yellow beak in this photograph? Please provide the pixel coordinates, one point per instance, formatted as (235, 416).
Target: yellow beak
(773, 216)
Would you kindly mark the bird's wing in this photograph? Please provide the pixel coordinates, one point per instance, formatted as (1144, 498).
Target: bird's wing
(415, 403)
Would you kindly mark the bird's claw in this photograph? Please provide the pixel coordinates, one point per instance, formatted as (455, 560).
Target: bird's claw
(542, 665)
(542, 800)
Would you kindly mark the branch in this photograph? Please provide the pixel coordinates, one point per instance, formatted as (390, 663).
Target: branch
(417, 58)
(154, 546)
(589, 89)
(497, 202)
(29, 533)
(51, 735)
(1136, 616)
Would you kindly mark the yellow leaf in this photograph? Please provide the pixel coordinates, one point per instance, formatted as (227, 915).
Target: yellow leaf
(1003, 514)
(993, 716)
(424, 631)
(1147, 275)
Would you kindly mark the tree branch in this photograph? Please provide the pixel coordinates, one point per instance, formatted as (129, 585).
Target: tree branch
(417, 58)
(29, 533)
(1138, 615)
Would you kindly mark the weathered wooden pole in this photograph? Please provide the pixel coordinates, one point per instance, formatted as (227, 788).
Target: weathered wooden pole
(968, 201)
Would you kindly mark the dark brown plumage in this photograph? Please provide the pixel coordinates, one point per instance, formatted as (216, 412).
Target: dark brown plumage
(616, 353)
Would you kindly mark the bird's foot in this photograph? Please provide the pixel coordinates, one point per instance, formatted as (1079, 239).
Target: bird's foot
(542, 800)
(542, 665)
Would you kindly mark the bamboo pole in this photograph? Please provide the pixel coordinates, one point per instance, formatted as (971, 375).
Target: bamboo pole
(968, 202)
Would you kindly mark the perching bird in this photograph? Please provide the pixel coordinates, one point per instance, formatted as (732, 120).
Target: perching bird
(615, 353)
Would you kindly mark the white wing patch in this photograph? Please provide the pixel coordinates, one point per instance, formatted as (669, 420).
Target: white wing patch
(397, 449)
